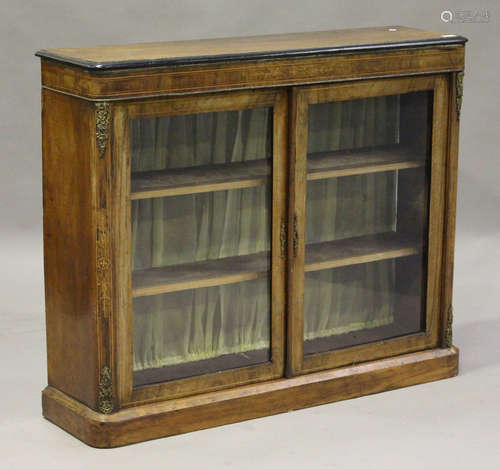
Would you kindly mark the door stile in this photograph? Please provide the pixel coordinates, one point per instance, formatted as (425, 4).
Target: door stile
(437, 209)
(279, 230)
(296, 234)
(120, 217)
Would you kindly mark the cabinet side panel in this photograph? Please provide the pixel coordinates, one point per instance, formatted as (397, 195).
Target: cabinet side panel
(69, 245)
(455, 103)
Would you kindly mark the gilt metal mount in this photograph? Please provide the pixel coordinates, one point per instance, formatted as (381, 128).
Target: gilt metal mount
(448, 333)
(105, 397)
(101, 127)
(283, 238)
(295, 236)
(459, 91)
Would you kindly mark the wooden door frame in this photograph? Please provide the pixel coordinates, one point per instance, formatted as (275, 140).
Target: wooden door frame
(120, 211)
(300, 99)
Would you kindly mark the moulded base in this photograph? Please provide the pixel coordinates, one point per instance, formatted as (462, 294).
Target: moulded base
(149, 421)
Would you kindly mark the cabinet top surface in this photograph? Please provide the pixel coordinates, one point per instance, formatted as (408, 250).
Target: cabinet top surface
(245, 48)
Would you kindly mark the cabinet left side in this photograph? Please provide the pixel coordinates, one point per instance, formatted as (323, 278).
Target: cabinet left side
(70, 242)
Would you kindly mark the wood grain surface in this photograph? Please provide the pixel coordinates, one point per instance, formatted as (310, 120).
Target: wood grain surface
(69, 225)
(145, 54)
(248, 74)
(160, 419)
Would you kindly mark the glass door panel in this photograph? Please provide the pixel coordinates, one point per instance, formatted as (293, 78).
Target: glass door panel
(359, 217)
(202, 244)
(366, 221)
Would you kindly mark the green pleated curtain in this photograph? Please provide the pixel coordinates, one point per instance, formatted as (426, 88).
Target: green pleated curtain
(204, 323)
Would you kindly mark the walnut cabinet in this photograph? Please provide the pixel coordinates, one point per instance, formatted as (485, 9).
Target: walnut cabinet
(240, 227)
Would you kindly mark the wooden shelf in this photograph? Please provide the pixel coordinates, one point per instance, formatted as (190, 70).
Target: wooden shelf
(198, 179)
(235, 269)
(360, 250)
(200, 274)
(361, 161)
(220, 177)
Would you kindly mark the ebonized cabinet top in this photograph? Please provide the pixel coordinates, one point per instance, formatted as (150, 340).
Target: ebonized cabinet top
(245, 48)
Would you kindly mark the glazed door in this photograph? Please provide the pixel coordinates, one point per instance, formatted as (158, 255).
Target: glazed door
(205, 183)
(366, 220)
